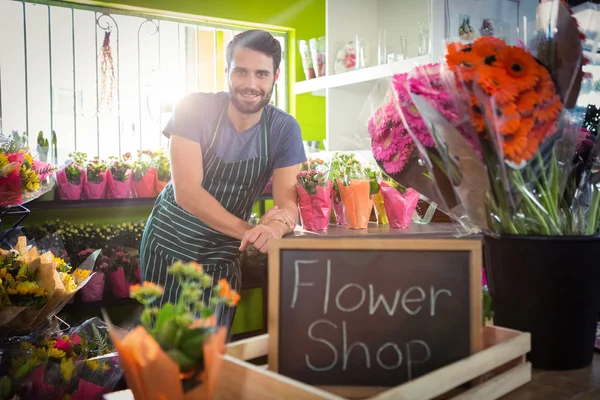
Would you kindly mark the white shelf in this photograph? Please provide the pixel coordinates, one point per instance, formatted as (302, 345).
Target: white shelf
(317, 86)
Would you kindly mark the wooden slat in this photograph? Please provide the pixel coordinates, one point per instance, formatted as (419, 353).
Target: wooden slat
(499, 385)
(242, 381)
(250, 348)
(451, 376)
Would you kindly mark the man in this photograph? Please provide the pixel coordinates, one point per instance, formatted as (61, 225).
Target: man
(224, 148)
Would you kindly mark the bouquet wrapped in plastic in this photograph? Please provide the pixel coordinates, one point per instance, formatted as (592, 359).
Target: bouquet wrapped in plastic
(22, 178)
(80, 364)
(119, 177)
(176, 351)
(144, 175)
(356, 190)
(94, 187)
(73, 178)
(314, 195)
(34, 287)
(499, 117)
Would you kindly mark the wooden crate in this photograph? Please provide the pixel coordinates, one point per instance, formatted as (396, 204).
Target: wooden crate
(488, 374)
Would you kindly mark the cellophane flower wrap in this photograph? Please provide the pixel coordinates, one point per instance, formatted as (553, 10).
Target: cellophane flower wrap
(22, 177)
(144, 174)
(72, 179)
(96, 181)
(176, 351)
(391, 120)
(514, 163)
(314, 195)
(353, 182)
(119, 177)
(35, 285)
(80, 363)
(399, 207)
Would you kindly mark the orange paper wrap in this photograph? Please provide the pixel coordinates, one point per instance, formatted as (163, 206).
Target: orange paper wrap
(152, 375)
(357, 202)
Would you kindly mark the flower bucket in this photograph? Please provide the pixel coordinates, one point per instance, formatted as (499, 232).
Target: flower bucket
(120, 287)
(145, 186)
(94, 289)
(548, 286)
(95, 191)
(358, 203)
(400, 208)
(68, 190)
(315, 209)
(117, 189)
(378, 203)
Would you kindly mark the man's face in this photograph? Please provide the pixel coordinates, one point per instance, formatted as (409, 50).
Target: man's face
(251, 80)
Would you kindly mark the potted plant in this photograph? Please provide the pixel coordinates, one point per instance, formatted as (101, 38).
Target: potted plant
(96, 179)
(119, 264)
(119, 177)
(163, 170)
(178, 342)
(72, 178)
(144, 174)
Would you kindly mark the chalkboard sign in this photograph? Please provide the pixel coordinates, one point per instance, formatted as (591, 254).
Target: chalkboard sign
(372, 312)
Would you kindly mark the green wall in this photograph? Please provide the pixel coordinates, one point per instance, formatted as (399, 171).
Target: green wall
(307, 17)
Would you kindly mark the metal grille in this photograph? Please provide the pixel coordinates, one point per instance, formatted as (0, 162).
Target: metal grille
(55, 75)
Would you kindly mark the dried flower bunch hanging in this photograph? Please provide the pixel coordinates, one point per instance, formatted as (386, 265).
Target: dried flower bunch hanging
(107, 70)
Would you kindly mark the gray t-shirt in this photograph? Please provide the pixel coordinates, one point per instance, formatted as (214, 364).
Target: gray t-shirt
(196, 116)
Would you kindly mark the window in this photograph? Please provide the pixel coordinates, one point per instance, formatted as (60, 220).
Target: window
(56, 73)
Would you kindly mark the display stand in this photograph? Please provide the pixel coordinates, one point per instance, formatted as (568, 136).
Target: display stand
(12, 211)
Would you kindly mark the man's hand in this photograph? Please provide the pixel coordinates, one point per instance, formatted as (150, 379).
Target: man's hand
(261, 235)
(281, 215)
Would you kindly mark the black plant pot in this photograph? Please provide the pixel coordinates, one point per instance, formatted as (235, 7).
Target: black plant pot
(548, 286)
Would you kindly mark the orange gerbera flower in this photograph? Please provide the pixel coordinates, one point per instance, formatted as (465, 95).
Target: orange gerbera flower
(506, 119)
(225, 288)
(497, 83)
(550, 110)
(463, 62)
(514, 147)
(520, 65)
(487, 46)
(527, 102)
(545, 88)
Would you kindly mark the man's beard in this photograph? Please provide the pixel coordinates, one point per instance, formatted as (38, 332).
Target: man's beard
(245, 108)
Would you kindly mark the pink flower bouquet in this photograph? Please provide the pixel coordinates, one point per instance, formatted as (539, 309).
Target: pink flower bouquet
(144, 175)
(399, 207)
(314, 200)
(94, 187)
(119, 178)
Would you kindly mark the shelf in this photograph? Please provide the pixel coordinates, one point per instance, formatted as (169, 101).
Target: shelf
(60, 204)
(317, 86)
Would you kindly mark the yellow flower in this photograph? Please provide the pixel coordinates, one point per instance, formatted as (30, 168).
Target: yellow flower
(92, 364)
(57, 354)
(81, 275)
(27, 159)
(3, 161)
(68, 282)
(66, 368)
(27, 288)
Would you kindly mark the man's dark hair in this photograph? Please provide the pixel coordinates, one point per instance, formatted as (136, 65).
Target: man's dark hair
(257, 40)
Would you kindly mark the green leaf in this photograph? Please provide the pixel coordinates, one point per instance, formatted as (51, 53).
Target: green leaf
(191, 343)
(166, 313)
(185, 363)
(166, 336)
(100, 340)
(5, 386)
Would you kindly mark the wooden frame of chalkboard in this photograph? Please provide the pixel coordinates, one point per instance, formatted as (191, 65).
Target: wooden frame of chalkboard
(455, 262)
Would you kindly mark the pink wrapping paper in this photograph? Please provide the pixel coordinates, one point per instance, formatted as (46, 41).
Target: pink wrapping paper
(94, 289)
(339, 211)
(95, 191)
(117, 189)
(87, 391)
(120, 287)
(67, 190)
(138, 274)
(10, 189)
(315, 209)
(399, 208)
(145, 187)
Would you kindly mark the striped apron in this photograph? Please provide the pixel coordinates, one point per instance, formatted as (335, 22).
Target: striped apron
(173, 234)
